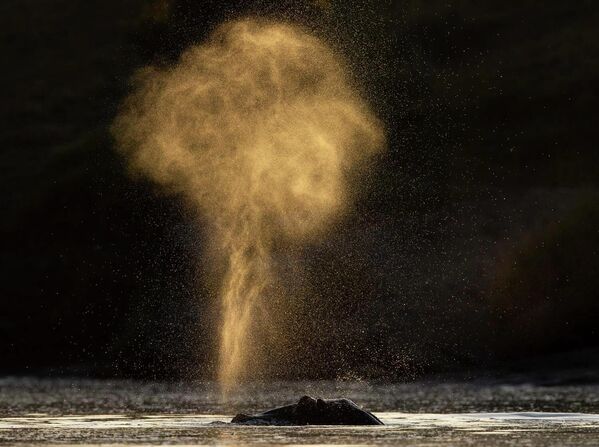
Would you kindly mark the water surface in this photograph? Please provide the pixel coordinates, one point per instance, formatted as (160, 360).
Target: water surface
(34, 411)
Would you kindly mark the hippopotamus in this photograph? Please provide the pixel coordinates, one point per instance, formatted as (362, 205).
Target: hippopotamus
(311, 411)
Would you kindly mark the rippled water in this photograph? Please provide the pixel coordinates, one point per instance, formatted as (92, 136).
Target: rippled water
(420, 414)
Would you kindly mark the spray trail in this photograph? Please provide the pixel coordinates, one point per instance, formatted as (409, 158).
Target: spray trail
(260, 129)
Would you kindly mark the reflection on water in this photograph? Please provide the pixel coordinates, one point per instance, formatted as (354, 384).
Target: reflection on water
(416, 429)
(51, 412)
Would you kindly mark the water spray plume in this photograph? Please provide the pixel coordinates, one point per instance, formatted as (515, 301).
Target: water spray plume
(261, 130)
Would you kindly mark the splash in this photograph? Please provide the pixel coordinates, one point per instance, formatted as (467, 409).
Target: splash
(261, 130)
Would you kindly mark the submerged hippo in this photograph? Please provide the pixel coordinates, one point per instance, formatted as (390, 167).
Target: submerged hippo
(310, 411)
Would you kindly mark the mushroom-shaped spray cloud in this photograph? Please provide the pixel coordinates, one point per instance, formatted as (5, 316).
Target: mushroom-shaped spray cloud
(262, 131)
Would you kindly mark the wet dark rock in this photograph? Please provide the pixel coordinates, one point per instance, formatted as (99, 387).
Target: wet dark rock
(311, 411)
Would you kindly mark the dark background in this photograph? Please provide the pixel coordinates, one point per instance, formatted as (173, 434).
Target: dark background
(474, 250)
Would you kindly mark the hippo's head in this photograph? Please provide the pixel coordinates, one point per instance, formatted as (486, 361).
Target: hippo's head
(310, 411)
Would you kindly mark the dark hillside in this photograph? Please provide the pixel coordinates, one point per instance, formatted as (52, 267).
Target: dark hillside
(479, 230)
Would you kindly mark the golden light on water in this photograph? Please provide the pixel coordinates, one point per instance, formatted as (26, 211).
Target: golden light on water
(260, 129)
